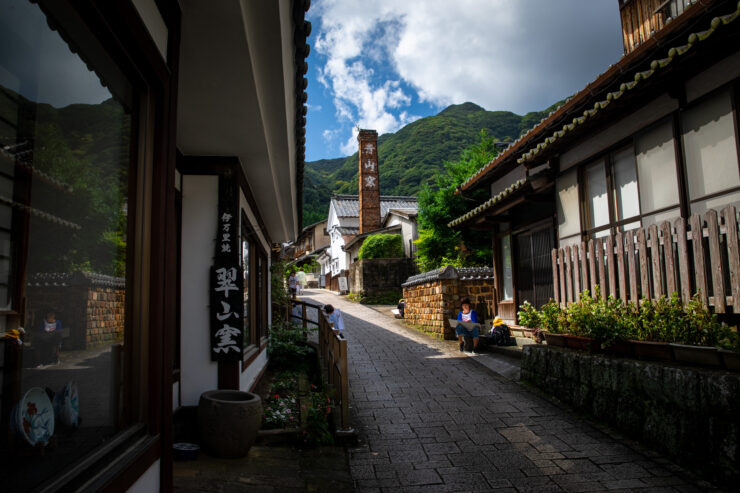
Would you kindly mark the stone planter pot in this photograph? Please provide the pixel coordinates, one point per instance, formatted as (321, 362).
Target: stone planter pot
(659, 351)
(730, 359)
(228, 422)
(555, 339)
(624, 349)
(581, 343)
(697, 355)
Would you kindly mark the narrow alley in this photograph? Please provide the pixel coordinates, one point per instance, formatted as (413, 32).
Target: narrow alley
(431, 418)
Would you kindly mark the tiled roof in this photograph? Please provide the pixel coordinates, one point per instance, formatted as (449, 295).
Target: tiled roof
(519, 185)
(76, 279)
(348, 231)
(449, 272)
(567, 109)
(349, 205)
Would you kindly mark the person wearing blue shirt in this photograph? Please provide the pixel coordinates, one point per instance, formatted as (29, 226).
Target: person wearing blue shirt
(335, 317)
(467, 315)
(49, 338)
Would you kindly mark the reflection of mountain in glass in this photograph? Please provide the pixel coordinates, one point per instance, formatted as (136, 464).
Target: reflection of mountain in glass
(71, 169)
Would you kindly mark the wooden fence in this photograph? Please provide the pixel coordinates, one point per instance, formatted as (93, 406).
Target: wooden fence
(333, 353)
(333, 350)
(700, 255)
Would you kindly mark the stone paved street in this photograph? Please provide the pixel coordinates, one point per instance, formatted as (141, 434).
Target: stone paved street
(433, 419)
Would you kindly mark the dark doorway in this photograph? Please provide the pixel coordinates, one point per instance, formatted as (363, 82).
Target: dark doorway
(534, 266)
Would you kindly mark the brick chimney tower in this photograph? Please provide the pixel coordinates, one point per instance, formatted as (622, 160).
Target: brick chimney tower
(369, 181)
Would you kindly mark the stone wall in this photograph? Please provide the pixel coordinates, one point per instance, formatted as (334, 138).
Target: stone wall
(688, 413)
(92, 306)
(434, 297)
(374, 277)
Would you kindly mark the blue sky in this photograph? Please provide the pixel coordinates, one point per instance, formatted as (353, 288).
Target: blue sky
(381, 64)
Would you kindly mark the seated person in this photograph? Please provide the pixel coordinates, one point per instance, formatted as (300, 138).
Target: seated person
(335, 317)
(398, 311)
(467, 315)
(49, 339)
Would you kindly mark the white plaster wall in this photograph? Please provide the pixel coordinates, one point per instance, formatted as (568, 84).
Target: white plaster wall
(249, 376)
(147, 482)
(199, 222)
(629, 125)
(715, 76)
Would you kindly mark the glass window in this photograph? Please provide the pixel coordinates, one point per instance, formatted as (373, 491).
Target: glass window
(507, 284)
(596, 195)
(710, 147)
(569, 218)
(656, 168)
(716, 203)
(64, 172)
(625, 184)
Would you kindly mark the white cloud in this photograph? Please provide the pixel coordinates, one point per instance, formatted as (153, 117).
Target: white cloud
(313, 107)
(519, 56)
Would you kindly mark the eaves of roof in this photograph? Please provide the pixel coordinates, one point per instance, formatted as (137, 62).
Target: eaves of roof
(596, 96)
(497, 199)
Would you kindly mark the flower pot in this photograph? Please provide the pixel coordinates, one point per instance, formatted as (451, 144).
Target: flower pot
(660, 351)
(621, 348)
(581, 343)
(555, 339)
(228, 422)
(730, 359)
(697, 355)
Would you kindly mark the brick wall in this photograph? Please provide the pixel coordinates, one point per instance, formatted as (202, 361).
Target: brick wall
(91, 306)
(434, 297)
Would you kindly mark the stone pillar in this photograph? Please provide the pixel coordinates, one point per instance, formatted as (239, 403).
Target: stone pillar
(369, 181)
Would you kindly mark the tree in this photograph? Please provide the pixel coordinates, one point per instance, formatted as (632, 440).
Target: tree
(438, 244)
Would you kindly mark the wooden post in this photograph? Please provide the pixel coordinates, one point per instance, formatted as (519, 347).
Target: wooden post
(670, 266)
(600, 267)
(699, 259)
(303, 316)
(630, 239)
(584, 268)
(729, 218)
(620, 267)
(592, 266)
(344, 383)
(644, 267)
(555, 282)
(655, 261)
(683, 260)
(576, 273)
(568, 276)
(718, 272)
(563, 292)
(611, 268)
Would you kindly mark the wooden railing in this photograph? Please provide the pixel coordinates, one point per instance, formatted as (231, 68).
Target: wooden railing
(333, 350)
(700, 255)
(333, 353)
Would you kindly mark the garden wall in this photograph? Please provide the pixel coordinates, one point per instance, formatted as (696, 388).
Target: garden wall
(373, 277)
(433, 297)
(90, 305)
(691, 414)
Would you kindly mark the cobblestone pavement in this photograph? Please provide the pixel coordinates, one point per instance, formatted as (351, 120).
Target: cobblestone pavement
(433, 419)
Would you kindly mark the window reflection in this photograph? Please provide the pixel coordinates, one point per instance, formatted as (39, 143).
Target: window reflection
(64, 172)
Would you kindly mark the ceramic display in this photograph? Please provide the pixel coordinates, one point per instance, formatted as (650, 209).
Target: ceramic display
(35, 417)
(67, 405)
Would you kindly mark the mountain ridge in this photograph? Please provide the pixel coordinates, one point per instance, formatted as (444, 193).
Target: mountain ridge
(410, 157)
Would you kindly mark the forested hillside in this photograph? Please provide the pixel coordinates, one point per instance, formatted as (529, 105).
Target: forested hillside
(412, 156)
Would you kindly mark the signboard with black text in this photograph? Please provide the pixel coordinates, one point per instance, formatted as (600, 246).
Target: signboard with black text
(226, 279)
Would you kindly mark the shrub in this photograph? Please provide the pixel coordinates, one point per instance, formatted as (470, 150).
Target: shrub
(528, 316)
(287, 346)
(381, 246)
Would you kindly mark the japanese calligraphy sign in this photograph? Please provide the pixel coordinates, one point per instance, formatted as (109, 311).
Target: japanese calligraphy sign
(226, 280)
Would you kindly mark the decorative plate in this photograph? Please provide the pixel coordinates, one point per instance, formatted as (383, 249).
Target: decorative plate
(35, 417)
(67, 405)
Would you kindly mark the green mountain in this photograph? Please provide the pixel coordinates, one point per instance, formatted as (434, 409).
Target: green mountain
(411, 157)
